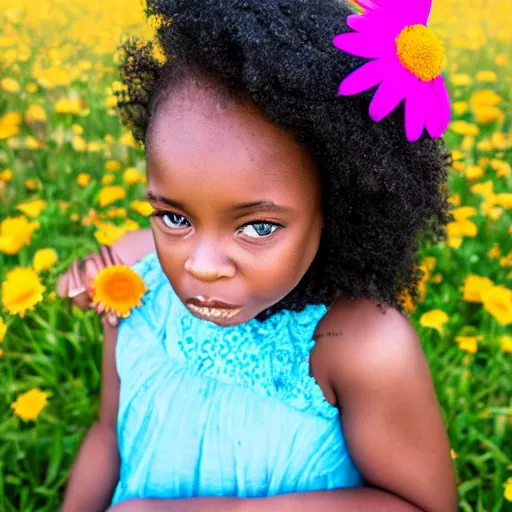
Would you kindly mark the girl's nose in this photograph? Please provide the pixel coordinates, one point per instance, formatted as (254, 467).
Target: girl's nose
(208, 263)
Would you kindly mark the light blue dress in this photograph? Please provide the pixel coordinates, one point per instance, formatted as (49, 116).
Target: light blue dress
(206, 410)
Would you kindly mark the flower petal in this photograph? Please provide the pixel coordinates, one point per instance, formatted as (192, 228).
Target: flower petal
(390, 93)
(438, 109)
(368, 46)
(414, 112)
(388, 26)
(364, 77)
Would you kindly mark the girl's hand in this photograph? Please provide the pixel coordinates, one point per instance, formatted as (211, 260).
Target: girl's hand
(76, 282)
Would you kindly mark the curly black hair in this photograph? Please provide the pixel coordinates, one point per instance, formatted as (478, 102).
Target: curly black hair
(382, 195)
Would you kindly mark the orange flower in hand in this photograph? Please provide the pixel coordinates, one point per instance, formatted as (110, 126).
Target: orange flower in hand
(116, 290)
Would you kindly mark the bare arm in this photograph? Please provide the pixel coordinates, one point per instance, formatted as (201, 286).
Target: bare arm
(95, 472)
(134, 246)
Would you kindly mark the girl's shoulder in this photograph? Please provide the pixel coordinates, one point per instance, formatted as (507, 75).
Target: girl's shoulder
(354, 335)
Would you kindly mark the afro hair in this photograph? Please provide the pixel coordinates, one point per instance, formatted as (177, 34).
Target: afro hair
(382, 196)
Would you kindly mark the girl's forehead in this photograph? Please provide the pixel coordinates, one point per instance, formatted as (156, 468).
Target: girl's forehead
(202, 138)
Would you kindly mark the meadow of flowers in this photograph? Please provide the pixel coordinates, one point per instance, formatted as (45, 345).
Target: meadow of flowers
(71, 178)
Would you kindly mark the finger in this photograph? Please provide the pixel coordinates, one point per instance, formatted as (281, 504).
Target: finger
(76, 286)
(107, 256)
(117, 259)
(62, 285)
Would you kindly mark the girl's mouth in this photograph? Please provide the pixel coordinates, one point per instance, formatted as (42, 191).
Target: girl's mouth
(213, 313)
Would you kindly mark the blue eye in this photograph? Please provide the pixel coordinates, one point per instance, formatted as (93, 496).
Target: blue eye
(256, 228)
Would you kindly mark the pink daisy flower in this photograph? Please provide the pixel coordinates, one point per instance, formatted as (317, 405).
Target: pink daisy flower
(407, 59)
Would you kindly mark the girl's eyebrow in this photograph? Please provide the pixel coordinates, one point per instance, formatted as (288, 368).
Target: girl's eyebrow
(256, 205)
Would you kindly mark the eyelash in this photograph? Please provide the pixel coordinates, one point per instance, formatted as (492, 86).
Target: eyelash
(161, 213)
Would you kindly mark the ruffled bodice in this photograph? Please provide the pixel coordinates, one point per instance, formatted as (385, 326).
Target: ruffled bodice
(206, 410)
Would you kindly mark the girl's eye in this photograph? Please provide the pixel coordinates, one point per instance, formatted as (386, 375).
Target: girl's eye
(256, 229)
(260, 228)
(169, 219)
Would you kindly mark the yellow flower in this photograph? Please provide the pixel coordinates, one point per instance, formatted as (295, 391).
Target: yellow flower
(454, 199)
(485, 97)
(435, 319)
(437, 278)
(460, 107)
(486, 76)
(15, 232)
(494, 251)
(35, 113)
(29, 405)
(6, 175)
(473, 286)
(77, 129)
(501, 59)
(128, 140)
(3, 329)
(501, 167)
(131, 225)
(461, 79)
(31, 184)
(112, 165)
(78, 143)
(133, 175)
(453, 454)
(506, 344)
(108, 179)
(508, 489)
(9, 125)
(71, 106)
(118, 289)
(467, 343)
(30, 142)
(484, 145)
(464, 212)
(83, 179)
(464, 128)
(44, 259)
(504, 199)
(109, 195)
(468, 142)
(457, 154)
(506, 261)
(498, 302)
(10, 85)
(142, 207)
(94, 146)
(111, 101)
(108, 233)
(485, 114)
(32, 208)
(21, 290)
(484, 189)
(116, 213)
(500, 140)
(463, 227)
(31, 88)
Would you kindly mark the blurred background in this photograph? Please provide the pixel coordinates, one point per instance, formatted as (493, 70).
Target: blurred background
(71, 178)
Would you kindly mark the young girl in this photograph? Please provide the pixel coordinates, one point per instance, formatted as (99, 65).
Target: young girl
(271, 366)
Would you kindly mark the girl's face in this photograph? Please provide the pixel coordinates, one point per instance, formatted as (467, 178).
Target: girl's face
(238, 203)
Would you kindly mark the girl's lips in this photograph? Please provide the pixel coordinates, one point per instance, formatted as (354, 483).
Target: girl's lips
(211, 304)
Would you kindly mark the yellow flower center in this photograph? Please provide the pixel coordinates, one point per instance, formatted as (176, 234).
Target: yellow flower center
(421, 51)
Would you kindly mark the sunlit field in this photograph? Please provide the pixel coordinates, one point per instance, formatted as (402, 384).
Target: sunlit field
(71, 177)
